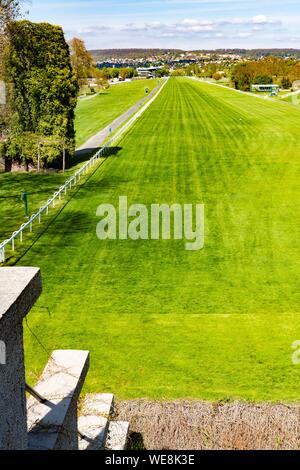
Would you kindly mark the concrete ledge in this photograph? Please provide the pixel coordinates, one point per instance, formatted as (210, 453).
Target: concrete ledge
(117, 436)
(19, 290)
(94, 429)
(98, 404)
(53, 425)
(95, 411)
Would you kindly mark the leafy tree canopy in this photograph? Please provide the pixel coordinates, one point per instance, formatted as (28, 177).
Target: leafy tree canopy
(44, 84)
(264, 71)
(9, 11)
(82, 61)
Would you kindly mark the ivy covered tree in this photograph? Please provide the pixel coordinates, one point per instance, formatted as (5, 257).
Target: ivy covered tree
(44, 89)
(9, 11)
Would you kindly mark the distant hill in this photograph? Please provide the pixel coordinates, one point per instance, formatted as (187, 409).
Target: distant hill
(255, 52)
(104, 54)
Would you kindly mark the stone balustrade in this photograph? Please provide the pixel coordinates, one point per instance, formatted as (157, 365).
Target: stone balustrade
(48, 419)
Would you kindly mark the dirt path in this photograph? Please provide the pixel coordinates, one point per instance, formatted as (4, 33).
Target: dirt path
(200, 425)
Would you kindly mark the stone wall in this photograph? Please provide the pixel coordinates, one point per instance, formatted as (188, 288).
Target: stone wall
(19, 289)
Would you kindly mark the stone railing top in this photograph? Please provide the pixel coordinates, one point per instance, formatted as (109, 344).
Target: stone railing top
(53, 425)
(19, 290)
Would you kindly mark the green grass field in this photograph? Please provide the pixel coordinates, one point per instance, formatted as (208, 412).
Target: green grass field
(162, 322)
(92, 115)
(96, 113)
(39, 188)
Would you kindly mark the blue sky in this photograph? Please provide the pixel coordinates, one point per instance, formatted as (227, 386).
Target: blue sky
(189, 24)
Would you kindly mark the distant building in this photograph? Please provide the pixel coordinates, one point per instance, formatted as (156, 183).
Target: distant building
(266, 88)
(148, 72)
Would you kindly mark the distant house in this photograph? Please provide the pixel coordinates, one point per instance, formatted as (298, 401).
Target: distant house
(265, 88)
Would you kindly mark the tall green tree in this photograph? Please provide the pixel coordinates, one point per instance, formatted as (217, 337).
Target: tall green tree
(44, 84)
(9, 11)
(82, 61)
(100, 79)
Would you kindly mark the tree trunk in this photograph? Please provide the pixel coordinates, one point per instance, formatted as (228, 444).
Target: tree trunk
(7, 165)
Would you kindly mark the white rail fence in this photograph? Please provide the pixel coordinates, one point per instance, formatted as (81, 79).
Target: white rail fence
(70, 183)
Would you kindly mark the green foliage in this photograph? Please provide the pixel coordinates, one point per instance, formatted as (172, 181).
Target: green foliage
(9, 11)
(164, 72)
(2, 149)
(82, 61)
(180, 72)
(263, 79)
(112, 73)
(217, 76)
(123, 73)
(241, 77)
(265, 71)
(210, 70)
(44, 86)
(286, 83)
(26, 146)
(193, 69)
(100, 79)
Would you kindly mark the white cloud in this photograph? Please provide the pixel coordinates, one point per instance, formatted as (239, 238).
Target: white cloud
(244, 35)
(184, 32)
(260, 19)
(190, 26)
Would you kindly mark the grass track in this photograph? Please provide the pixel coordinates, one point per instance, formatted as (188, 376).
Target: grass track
(94, 114)
(161, 322)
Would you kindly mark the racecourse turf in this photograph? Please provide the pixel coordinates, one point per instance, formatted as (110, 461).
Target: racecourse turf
(160, 321)
(95, 113)
(92, 115)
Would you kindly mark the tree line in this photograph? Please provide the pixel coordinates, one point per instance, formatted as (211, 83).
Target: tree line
(43, 75)
(269, 70)
(275, 70)
(87, 72)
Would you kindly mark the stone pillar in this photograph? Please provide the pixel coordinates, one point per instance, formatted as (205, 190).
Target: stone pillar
(19, 290)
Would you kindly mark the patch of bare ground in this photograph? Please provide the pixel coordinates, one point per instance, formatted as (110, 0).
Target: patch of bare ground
(197, 425)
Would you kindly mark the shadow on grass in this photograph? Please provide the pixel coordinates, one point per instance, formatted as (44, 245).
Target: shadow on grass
(112, 151)
(70, 225)
(136, 441)
(39, 187)
(83, 155)
(65, 229)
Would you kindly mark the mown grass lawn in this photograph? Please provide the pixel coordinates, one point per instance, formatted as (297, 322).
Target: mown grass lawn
(92, 115)
(96, 113)
(39, 187)
(162, 322)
